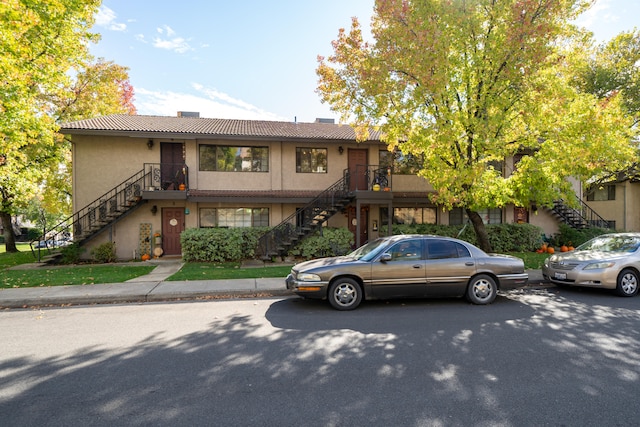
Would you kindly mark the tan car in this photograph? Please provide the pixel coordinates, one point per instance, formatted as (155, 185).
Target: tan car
(408, 266)
(610, 261)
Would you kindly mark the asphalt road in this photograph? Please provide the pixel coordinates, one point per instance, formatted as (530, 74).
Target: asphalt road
(544, 357)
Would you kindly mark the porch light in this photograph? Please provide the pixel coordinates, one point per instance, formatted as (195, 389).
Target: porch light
(340, 149)
(150, 144)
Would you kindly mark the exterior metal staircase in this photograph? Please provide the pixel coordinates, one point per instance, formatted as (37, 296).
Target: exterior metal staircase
(579, 218)
(284, 236)
(103, 212)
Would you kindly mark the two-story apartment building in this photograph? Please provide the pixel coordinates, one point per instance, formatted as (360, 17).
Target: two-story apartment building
(136, 177)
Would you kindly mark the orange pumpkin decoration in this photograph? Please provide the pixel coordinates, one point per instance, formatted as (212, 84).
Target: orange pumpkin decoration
(550, 250)
(544, 247)
(570, 248)
(564, 248)
(146, 257)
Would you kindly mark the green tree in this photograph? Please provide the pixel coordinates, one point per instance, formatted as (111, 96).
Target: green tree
(465, 84)
(40, 42)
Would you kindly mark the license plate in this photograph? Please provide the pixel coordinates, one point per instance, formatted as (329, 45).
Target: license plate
(560, 276)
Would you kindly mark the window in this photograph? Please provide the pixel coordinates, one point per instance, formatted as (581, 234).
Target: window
(443, 249)
(400, 163)
(411, 250)
(234, 217)
(409, 216)
(458, 216)
(311, 160)
(601, 193)
(234, 159)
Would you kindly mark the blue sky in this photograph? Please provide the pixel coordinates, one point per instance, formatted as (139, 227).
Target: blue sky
(249, 59)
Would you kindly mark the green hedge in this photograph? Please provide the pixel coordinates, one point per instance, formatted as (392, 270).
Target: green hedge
(236, 244)
(220, 244)
(572, 237)
(503, 237)
(327, 242)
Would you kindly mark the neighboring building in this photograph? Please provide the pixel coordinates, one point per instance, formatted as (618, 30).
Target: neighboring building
(135, 176)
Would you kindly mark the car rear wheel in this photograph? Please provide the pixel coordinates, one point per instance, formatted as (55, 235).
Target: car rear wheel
(482, 289)
(627, 285)
(345, 294)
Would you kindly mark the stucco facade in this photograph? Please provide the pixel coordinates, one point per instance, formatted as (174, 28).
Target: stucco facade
(108, 151)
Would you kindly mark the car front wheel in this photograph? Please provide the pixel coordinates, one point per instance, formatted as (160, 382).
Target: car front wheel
(482, 289)
(345, 294)
(627, 285)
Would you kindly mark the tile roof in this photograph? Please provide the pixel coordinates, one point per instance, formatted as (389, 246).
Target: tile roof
(166, 126)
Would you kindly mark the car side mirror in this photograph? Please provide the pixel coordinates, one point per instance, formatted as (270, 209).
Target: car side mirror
(385, 257)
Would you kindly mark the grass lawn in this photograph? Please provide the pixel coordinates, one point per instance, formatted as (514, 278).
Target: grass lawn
(532, 260)
(56, 276)
(210, 271)
(72, 275)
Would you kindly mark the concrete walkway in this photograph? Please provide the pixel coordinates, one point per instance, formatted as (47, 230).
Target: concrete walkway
(155, 287)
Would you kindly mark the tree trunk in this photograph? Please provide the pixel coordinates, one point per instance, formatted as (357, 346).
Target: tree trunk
(9, 236)
(481, 230)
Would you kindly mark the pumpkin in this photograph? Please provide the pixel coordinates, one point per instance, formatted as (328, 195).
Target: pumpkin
(570, 248)
(146, 257)
(564, 248)
(550, 250)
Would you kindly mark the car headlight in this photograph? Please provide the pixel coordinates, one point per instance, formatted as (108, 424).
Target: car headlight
(308, 277)
(599, 265)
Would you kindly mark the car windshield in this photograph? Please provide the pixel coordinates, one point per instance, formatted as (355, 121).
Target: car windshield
(611, 244)
(368, 251)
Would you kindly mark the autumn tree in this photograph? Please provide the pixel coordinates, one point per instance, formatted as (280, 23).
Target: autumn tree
(99, 88)
(613, 68)
(40, 41)
(467, 84)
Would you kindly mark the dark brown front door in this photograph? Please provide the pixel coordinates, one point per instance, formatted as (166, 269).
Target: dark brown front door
(172, 227)
(358, 169)
(364, 225)
(171, 162)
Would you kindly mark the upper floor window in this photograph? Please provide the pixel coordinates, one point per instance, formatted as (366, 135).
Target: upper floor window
(458, 216)
(234, 217)
(224, 158)
(408, 164)
(311, 160)
(601, 193)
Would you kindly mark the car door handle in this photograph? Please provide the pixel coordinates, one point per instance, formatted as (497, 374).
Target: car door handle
(469, 264)
(417, 266)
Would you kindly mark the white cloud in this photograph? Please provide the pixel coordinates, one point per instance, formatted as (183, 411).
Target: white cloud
(107, 18)
(209, 103)
(166, 29)
(176, 44)
(599, 13)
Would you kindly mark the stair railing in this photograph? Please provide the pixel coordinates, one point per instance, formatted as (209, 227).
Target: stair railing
(280, 238)
(94, 216)
(581, 217)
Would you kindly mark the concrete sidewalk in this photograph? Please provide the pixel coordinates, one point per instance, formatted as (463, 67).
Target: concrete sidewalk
(154, 287)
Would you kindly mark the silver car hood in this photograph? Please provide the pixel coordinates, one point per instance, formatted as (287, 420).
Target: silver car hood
(579, 256)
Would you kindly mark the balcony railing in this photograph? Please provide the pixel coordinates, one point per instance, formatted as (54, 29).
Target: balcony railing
(166, 176)
(369, 178)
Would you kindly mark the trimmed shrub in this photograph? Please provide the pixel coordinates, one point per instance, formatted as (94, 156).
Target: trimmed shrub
(219, 244)
(104, 253)
(71, 254)
(570, 236)
(323, 243)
